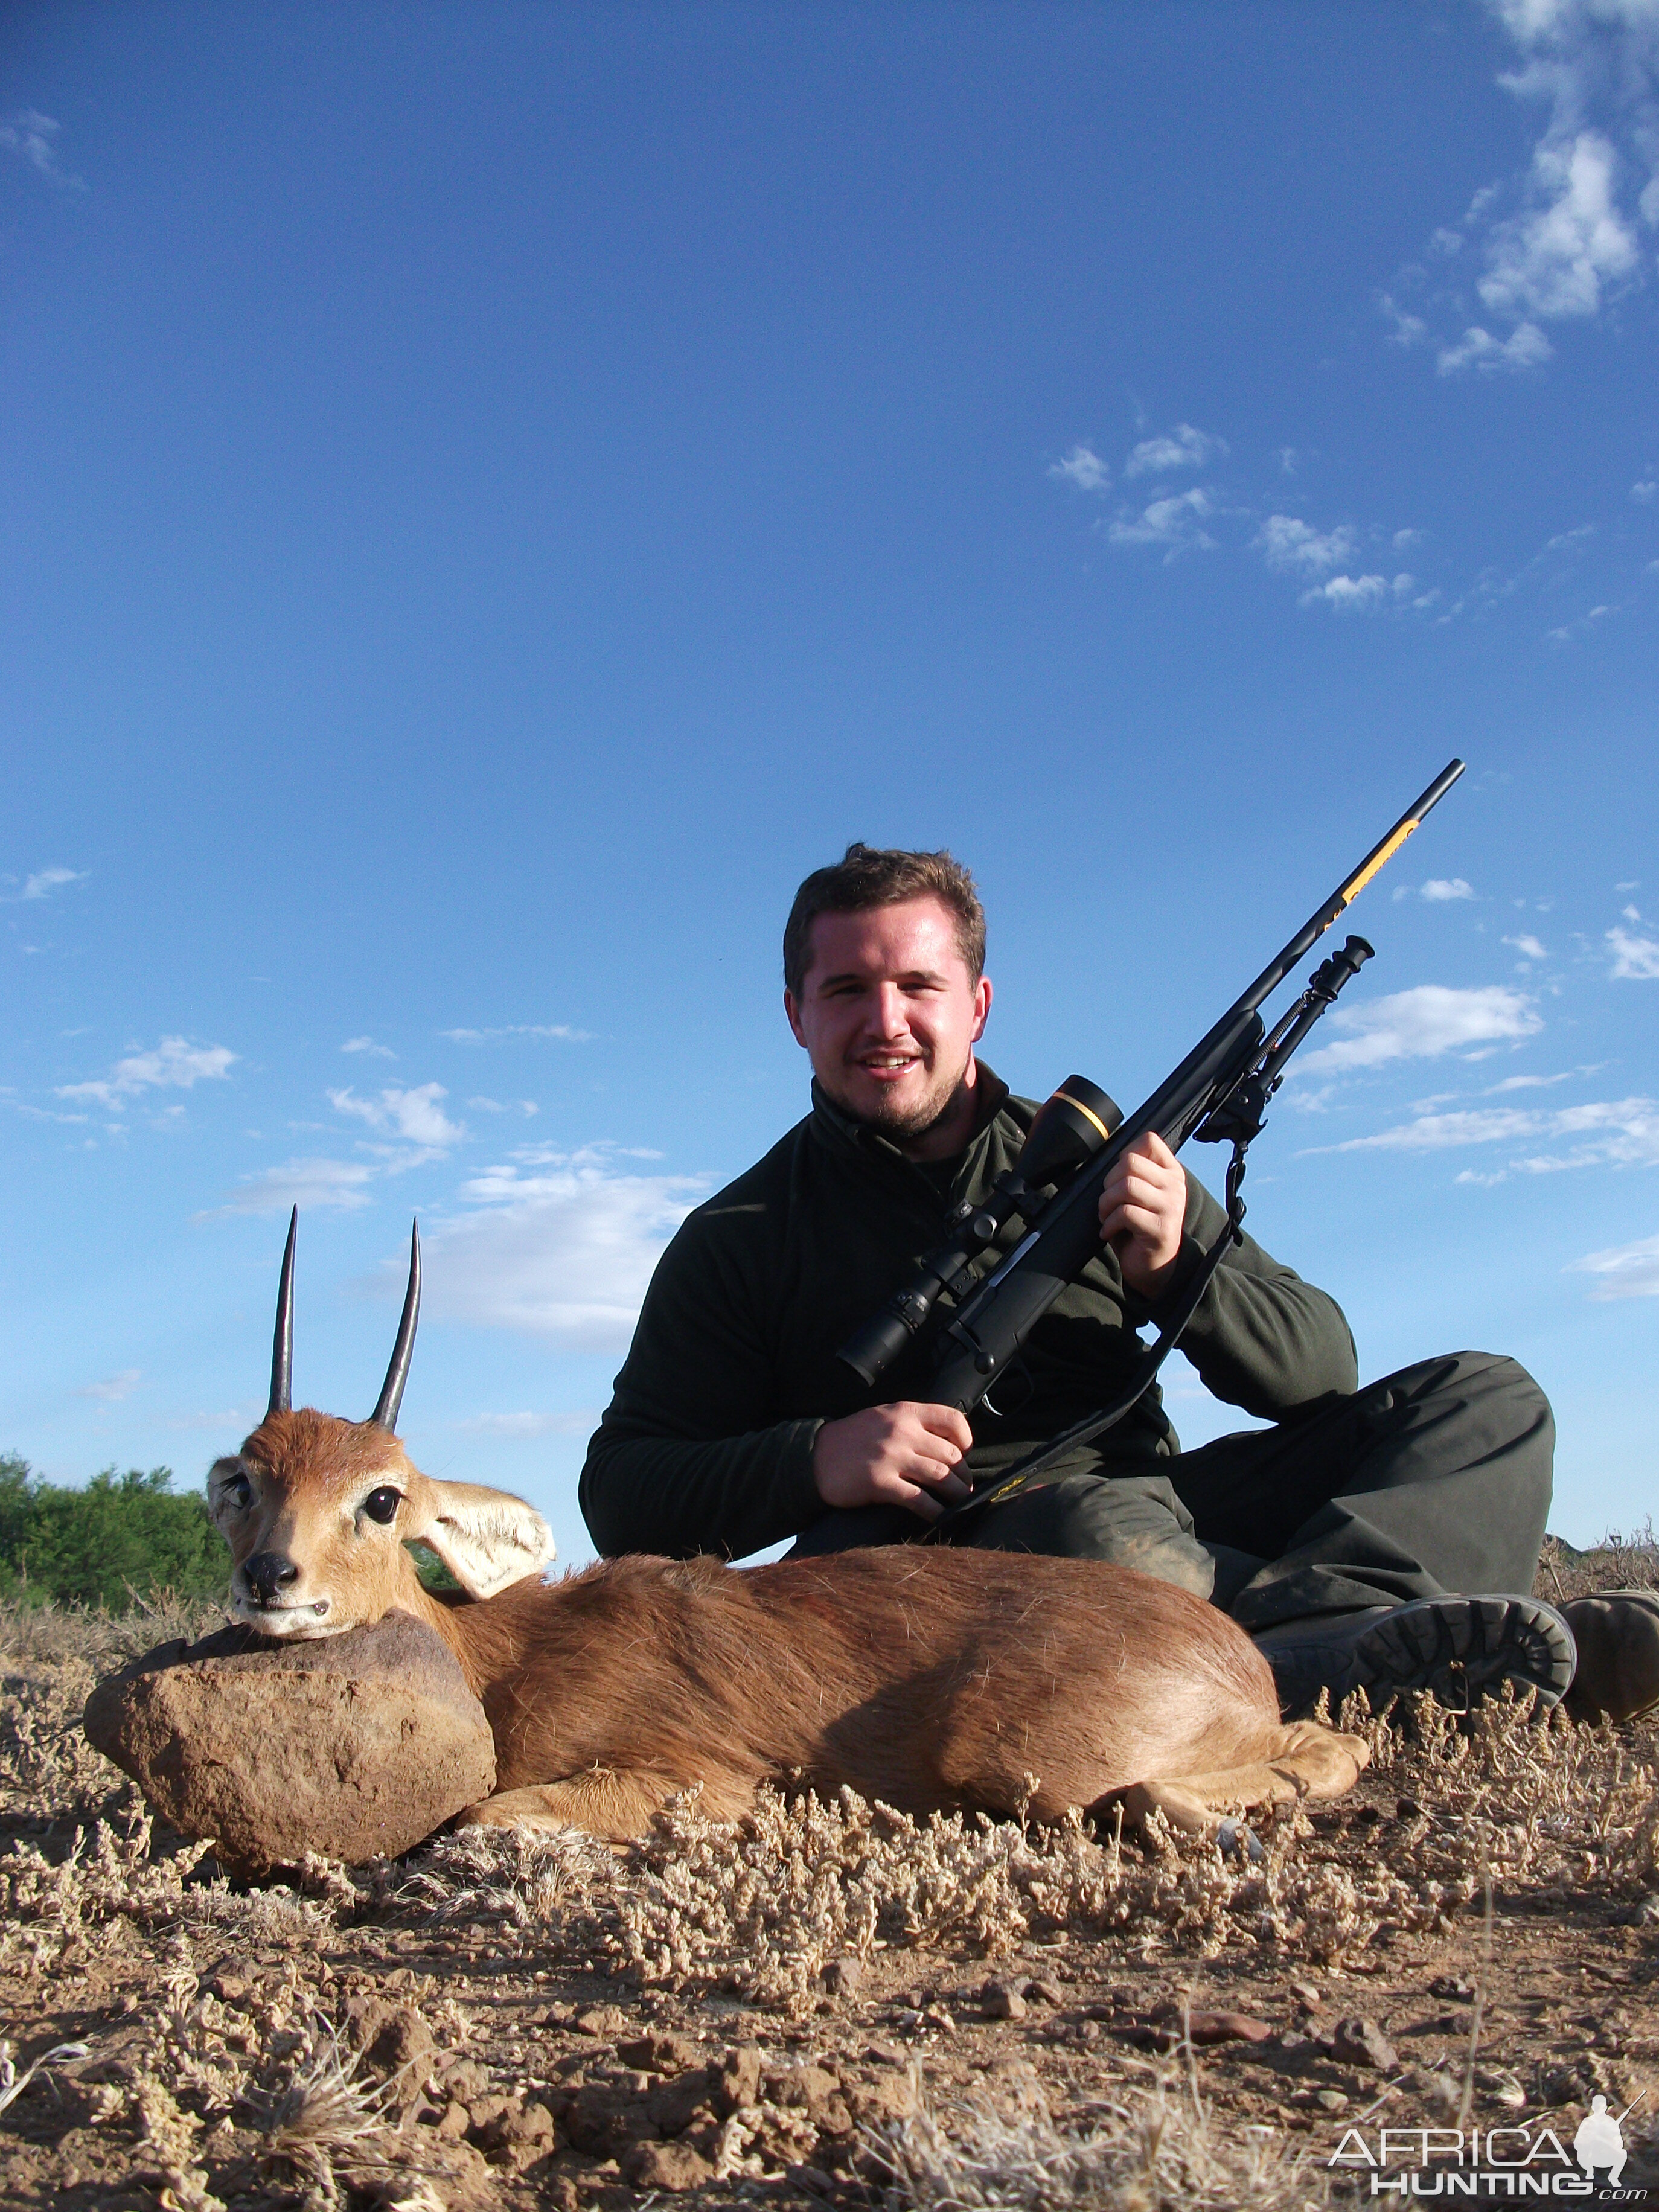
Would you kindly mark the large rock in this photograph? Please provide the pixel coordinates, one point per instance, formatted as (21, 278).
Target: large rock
(356, 1746)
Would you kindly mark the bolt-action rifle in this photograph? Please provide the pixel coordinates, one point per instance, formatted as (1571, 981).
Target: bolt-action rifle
(1218, 1094)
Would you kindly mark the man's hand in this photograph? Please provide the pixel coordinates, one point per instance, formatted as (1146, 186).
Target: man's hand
(903, 1454)
(1142, 1209)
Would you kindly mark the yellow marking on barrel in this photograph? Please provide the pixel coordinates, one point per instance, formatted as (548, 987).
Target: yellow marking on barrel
(1384, 854)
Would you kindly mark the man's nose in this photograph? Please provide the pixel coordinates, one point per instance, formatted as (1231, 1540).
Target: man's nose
(890, 1015)
(267, 1574)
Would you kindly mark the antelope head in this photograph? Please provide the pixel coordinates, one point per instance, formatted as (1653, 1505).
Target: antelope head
(317, 1512)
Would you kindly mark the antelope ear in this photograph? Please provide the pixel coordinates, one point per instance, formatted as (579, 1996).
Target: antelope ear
(486, 1538)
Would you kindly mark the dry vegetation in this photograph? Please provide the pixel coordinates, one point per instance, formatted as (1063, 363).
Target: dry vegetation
(829, 2002)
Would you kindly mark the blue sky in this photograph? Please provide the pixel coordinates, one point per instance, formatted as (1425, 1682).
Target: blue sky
(496, 494)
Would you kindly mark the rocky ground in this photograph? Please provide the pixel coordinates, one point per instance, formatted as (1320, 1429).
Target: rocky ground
(827, 2004)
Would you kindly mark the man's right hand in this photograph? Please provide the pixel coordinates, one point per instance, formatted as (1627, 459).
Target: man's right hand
(904, 1455)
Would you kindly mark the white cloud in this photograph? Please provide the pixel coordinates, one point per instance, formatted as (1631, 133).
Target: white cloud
(1408, 330)
(1635, 959)
(527, 1106)
(1348, 594)
(174, 1064)
(1183, 447)
(1439, 888)
(1558, 255)
(1082, 467)
(579, 1424)
(1616, 1133)
(29, 135)
(1644, 492)
(559, 1029)
(1526, 347)
(1580, 625)
(1628, 1271)
(368, 1044)
(413, 1115)
(1561, 239)
(560, 1246)
(1527, 946)
(305, 1183)
(1421, 1023)
(1287, 543)
(45, 881)
(114, 1388)
(1175, 523)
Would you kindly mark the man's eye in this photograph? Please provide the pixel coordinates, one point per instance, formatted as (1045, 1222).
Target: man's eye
(382, 1504)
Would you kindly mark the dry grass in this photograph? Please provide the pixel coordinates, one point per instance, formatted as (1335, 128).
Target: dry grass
(1160, 2147)
(224, 2101)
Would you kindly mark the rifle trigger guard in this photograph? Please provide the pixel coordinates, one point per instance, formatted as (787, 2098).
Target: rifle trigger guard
(1015, 1367)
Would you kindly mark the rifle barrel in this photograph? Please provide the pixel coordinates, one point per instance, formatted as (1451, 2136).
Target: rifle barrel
(1064, 1236)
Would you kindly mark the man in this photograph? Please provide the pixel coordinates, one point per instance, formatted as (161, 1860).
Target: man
(1347, 1537)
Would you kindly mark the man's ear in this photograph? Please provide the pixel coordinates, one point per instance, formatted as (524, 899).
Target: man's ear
(486, 1538)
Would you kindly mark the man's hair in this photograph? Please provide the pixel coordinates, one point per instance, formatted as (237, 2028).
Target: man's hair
(867, 875)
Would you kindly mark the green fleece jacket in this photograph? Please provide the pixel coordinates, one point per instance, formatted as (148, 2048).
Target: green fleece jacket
(707, 1444)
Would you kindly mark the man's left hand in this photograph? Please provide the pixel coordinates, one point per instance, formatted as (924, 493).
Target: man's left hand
(1142, 1211)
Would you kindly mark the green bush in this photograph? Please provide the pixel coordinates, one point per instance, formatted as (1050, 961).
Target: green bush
(122, 1537)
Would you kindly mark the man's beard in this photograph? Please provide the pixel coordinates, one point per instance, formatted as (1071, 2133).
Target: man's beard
(894, 1118)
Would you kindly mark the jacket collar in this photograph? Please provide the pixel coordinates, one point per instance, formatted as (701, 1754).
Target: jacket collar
(843, 1134)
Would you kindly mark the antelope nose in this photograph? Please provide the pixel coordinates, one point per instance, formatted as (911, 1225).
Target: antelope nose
(267, 1574)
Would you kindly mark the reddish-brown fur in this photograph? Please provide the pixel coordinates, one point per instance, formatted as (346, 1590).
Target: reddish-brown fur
(926, 1678)
(929, 1677)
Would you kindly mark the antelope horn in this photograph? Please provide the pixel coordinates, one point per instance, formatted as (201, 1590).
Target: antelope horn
(281, 1354)
(385, 1415)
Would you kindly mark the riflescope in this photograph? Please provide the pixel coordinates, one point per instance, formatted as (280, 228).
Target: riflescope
(1067, 1130)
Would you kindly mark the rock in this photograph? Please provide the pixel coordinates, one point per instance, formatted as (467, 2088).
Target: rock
(355, 1746)
(396, 2045)
(678, 2104)
(1361, 2042)
(1452, 1986)
(518, 2135)
(874, 2104)
(817, 2091)
(1617, 1674)
(604, 2023)
(1004, 2001)
(737, 2080)
(660, 2053)
(1306, 1995)
(465, 2078)
(671, 2165)
(1170, 2029)
(1042, 1992)
(844, 1977)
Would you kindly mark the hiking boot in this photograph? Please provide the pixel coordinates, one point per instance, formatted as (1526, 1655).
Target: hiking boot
(1462, 1649)
(1617, 1633)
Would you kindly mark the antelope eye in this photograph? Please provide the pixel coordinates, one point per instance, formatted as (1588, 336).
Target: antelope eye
(382, 1504)
(238, 1493)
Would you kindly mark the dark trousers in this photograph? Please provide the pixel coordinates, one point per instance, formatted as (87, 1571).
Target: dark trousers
(1434, 1479)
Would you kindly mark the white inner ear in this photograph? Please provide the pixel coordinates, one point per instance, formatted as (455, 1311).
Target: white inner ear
(488, 1539)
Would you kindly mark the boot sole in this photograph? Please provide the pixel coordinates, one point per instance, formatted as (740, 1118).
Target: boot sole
(1464, 1649)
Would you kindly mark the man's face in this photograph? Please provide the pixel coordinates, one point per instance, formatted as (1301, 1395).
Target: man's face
(889, 1012)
